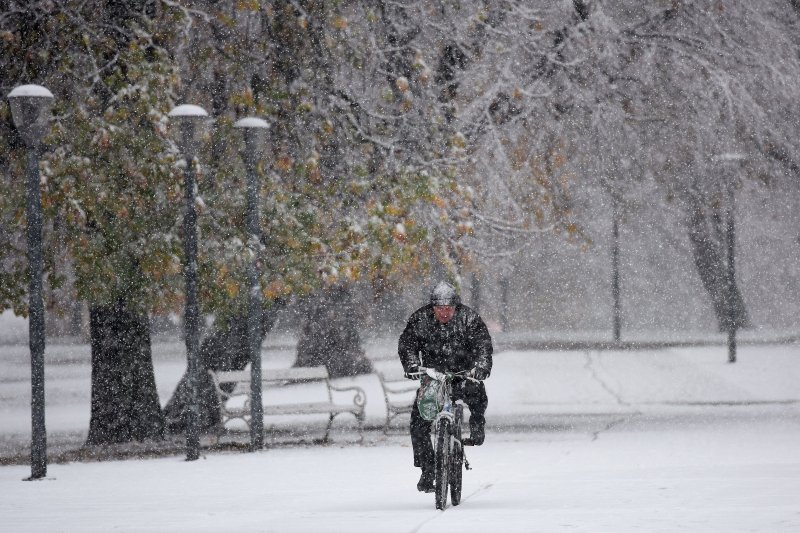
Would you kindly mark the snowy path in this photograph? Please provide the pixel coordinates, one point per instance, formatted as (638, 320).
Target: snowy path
(725, 469)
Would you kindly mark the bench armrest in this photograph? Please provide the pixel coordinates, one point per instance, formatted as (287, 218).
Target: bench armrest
(360, 397)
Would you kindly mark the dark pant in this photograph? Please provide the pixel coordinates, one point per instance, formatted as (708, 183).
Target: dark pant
(473, 394)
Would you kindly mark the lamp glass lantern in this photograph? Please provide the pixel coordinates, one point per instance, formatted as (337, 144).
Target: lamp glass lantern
(254, 132)
(189, 127)
(31, 107)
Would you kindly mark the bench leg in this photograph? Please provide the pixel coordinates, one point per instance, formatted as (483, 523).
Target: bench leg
(328, 429)
(215, 432)
(361, 418)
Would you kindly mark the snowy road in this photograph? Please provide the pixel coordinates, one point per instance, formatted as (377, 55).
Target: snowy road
(721, 469)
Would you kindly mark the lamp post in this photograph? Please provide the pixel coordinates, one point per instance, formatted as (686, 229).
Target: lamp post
(615, 292)
(254, 134)
(504, 285)
(30, 107)
(730, 245)
(189, 122)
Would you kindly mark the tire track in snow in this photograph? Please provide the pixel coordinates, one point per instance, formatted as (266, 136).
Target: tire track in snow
(596, 434)
(483, 488)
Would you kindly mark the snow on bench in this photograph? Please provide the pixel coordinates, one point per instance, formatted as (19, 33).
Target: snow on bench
(236, 403)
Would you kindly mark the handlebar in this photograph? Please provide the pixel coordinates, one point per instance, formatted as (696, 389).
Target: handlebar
(441, 376)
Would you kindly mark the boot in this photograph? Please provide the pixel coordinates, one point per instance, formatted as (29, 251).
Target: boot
(425, 483)
(476, 435)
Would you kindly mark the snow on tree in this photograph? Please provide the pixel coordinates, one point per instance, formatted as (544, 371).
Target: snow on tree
(109, 187)
(625, 94)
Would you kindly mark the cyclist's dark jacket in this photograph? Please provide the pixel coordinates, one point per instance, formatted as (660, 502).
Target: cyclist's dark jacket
(461, 344)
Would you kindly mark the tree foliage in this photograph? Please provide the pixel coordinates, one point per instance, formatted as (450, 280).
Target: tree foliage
(405, 136)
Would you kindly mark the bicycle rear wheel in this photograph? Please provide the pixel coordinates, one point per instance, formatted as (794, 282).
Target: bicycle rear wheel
(442, 462)
(457, 459)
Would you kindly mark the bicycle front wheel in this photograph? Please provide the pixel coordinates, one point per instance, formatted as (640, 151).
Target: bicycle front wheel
(442, 462)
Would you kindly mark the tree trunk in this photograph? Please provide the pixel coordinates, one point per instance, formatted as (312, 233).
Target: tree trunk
(707, 237)
(223, 349)
(475, 293)
(330, 335)
(124, 405)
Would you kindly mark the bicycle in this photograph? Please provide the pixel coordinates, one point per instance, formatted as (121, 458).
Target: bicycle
(450, 458)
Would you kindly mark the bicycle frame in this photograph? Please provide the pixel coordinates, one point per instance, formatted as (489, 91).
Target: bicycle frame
(448, 411)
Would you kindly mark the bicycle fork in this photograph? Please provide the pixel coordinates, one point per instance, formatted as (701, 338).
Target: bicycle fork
(459, 421)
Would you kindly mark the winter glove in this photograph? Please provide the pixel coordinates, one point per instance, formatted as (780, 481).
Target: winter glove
(479, 373)
(412, 372)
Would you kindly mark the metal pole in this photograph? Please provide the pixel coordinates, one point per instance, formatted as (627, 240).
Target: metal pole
(504, 303)
(191, 314)
(731, 238)
(615, 267)
(254, 301)
(36, 338)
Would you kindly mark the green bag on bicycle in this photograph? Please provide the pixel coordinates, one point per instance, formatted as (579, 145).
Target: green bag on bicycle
(430, 398)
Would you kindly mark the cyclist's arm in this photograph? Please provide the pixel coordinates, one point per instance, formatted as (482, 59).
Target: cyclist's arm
(408, 348)
(481, 343)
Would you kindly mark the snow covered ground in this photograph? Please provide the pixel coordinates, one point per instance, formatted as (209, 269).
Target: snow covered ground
(731, 474)
(658, 440)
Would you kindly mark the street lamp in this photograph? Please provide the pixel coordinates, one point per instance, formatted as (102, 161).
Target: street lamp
(254, 135)
(189, 127)
(30, 107)
(730, 242)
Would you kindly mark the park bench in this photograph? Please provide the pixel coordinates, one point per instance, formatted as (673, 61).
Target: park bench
(236, 403)
(399, 394)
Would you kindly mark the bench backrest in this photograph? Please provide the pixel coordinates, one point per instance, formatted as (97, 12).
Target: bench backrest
(393, 374)
(395, 382)
(275, 374)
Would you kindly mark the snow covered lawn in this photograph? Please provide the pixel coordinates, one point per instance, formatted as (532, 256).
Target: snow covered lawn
(732, 471)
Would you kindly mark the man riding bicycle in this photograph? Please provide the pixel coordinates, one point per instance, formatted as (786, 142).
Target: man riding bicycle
(449, 337)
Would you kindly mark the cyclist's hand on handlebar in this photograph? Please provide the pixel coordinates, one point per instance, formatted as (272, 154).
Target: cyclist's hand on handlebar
(435, 374)
(412, 372)
(479, 373)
